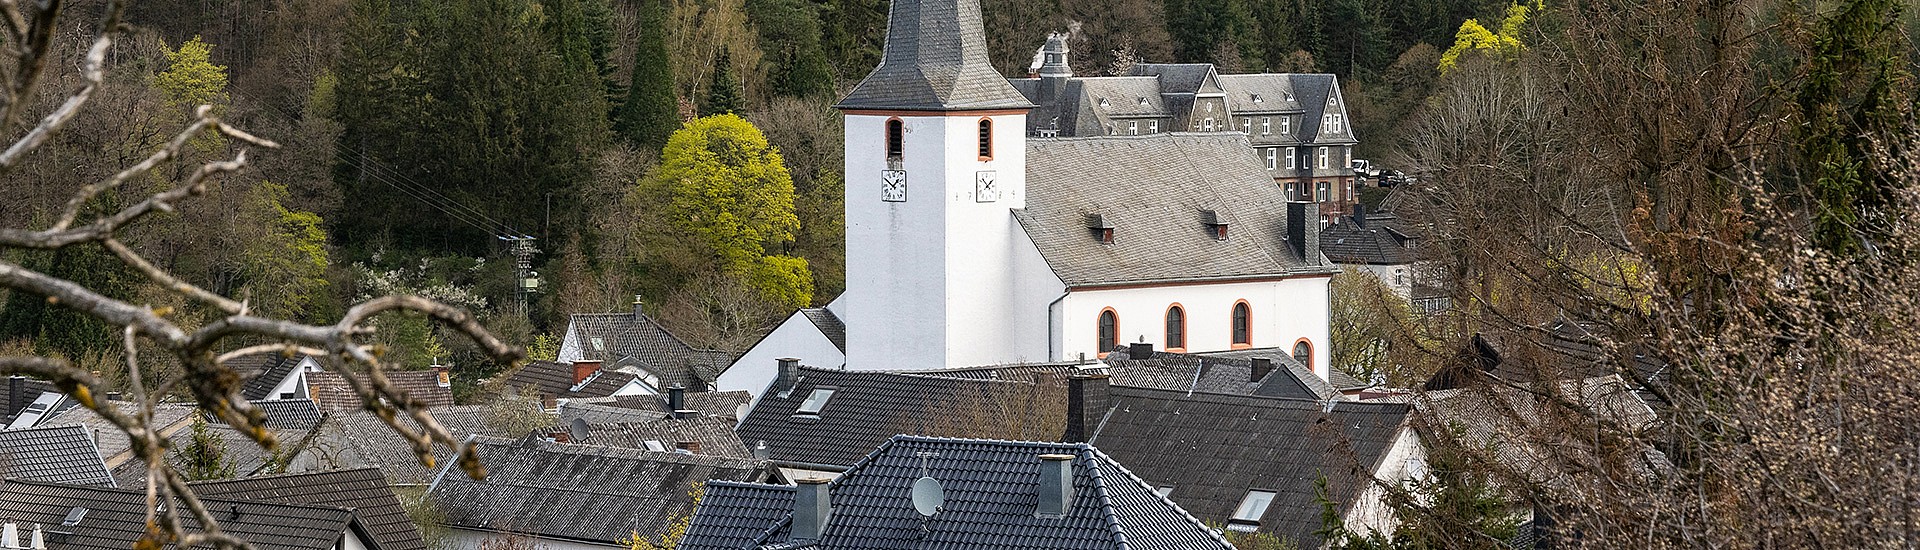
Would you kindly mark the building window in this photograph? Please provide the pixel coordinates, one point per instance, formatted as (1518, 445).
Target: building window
(1164, 490)
(1176, 327)
(1266, 125)
(1293, 159)
(1109, 331)
(1242, 324)
(1323, 158)
(1286, 125)
(1252, 508)
(1338, 124)
(1326, 122)
(1303, 353)
(815, 401)
(986, 139)
(895, 134)
(1133, 127)
(1293, 191)
(1208, 125)
(1347, 154)
(1273, 158)
(1153, 126)
(1320, 192)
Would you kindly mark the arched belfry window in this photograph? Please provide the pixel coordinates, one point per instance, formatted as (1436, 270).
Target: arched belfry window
(1303, 352)
(986, 139)
(1242, 324)
(1176, 327)
(1109, 331)
(896, 131)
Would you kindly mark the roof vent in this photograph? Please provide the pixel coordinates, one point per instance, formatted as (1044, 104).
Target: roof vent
(1102, 228)
(811, 508)
(1056, 485)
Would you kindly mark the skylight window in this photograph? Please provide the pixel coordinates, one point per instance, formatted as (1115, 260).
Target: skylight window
(816, 401)
(74, 516)
(656, 446)
(598, 344)
(1164, 491)
(1247, 517)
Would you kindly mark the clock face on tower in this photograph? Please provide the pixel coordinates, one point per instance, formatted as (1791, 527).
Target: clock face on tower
(893, 185)
(985, 188)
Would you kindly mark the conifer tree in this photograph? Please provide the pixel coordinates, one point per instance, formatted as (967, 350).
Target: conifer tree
(204, 456)
(651, 111)
(1850, 98)
(723, 93)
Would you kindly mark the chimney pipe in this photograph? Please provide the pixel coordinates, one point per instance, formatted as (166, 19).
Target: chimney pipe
(1303, 230)
(15, 385)
(10, 535)
(788, 374)
(39, 539)
(639, 309)
(1056, 484)
(677, 401)
(582, 370)
(1360, 215)
(1140, 350)
(1086, 404)
(811, 508)
(1261, 367)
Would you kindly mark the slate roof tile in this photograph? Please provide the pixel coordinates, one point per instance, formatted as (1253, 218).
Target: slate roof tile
(829, 325)
(650, 346)
(1379, 240)
(117, 517)
(1213, 448)
(935, 58)
(114, 446)
(362, 490)
(867, 407)
(1220, 372)
(58, 454)
(714, 435)
(331, 392)
(359, 439)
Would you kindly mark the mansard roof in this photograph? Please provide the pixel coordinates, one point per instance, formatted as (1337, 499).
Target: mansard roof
(1153, 188)
(935, 60)
(1180, 78)
(1274, 93)
(1313, 91)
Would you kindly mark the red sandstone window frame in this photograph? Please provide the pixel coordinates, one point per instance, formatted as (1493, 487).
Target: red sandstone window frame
(1168, 321)
(1106, 343)
(1239, 326)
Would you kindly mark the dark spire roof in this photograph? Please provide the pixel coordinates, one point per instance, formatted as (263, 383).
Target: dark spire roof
(936, 60)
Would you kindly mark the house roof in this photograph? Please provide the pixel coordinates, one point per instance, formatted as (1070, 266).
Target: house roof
(359, 439)
(1219, 372)
(362, 490)
(264, 371)
(935, 59)
(331, 392)
(829, 325)
(58, 454)
(245, 455)
(1378, 239)
(578, 492)
(116, 518)
(714, 435)
(1213, 448)
(1274, 91)
(287, 414)
(1511, 426)
(1178, 78)
(1313, 91)
(113, 443)
(30, 389)
(725, 404)
(649, 345)
(867, 407)
(990, 488)
(1152, 189)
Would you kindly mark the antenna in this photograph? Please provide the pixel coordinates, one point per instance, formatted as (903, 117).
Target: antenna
(928, 495)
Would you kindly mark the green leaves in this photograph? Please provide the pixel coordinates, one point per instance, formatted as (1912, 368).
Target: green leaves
(191, 78)
(727, 188)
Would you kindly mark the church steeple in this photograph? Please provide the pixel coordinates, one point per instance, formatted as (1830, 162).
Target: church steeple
(935, 60)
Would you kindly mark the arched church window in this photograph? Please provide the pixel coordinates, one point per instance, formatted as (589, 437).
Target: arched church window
(1242, 324)
(1176, 327)
(986, 139)
(1303, 352)
(896, 131)
(1109, 331)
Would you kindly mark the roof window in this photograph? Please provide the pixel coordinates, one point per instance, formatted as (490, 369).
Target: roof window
(598, 344)
(1256, 98)
(656, 446)
(1164, 490)
(1103, 102)
(1246, 518)
(1216, 225)
(1143, 102)
(815, 401)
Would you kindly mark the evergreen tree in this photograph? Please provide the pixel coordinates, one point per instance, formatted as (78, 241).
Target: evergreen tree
(1200, 26)
(1850, 98)
(723, 92)
(651, 111)
(790, 39)
(204, 457)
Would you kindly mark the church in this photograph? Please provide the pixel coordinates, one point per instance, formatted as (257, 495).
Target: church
(974, 238)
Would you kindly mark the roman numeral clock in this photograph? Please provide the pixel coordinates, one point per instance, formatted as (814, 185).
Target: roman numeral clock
(985, 189)
(893, 185)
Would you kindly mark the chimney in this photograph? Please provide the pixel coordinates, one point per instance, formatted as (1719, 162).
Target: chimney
(1360, 215)
(1303, 230)
(810, 508)
(1086, 404)
(1262, 366)
(677, 401)
(639, 309)
(583, 370)
(39, 539)
(1056, 485)
(691, 447)
(560, 436)
(10, 535)
(1140, 350)
(15, 385)
(788, 374)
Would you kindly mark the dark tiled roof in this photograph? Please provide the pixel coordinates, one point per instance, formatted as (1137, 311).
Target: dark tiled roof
(991, 490)
(935, 59)
(1379, 240)
(116, 518)
(264, 371)
(288, 414)
(113, 443)
(331, 392)
(357, 440)
(578, 492)
(1342, 381)
(555, 379)
(715, 436)
(30, 389)
(59, 454)
(605, 413)
(1313, 90)
(245, 455)
(1219, 372)
(829, 325)
(649, 345)
(1213, 448)
(1155, 206)
(364, 491)
(867, 407)
(1177, 78)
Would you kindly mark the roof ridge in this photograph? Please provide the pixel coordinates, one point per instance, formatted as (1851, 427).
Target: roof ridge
(142, 494)
(1102, 455)
(622, 453)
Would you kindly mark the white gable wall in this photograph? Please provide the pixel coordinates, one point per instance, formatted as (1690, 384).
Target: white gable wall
(569, 346)
(1283, 312)
(295, 384)
(1405, 460)
(796, 337)
(458, 538)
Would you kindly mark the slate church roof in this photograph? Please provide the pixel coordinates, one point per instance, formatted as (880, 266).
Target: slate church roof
(58, 454)
(1211, 449)
(935, 59)
(116, 518)
(867, 407)
(364, 491)
(991, 490)
(1152, 189)
(1226, 373)
(584, 493)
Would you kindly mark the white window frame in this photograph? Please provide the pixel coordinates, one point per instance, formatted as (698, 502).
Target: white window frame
(1266, 126)
(1273, 158)
(1322, 192)
(1293, 159)
(1286, 125)
(816, 401)
(1207, 124)
(1133, 127)
(1323, 158)
(1338, 124)
(1153, 126)
(1253, 506)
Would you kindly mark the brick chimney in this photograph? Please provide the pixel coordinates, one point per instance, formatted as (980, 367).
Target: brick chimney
(583, 370)
(692, 447)
(1303, 230)
(1261, 367)
(1087, 403)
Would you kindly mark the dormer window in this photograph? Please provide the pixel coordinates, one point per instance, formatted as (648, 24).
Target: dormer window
(896, 133)
(1256, 98)
(1103, 102)
(1288, 95)
(986, 139)
(1102, 228)
(1216, 225)
(1143, 102)
(815, 401)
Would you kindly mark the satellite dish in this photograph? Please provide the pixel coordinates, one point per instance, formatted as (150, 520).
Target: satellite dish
(578, 429)
(928, 496)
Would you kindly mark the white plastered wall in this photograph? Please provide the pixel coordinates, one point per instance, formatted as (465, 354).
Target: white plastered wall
(796, 337)
(1283, 312)
(1406, 460)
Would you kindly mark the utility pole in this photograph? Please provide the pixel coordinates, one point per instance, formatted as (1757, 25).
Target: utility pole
(526, 280)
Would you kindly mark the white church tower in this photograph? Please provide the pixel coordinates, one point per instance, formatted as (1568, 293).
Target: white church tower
(936, 156)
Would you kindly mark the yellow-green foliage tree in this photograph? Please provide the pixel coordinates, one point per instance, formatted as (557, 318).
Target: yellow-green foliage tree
(675, 530)
(728, 190)
(286, 265)
(1474, 38)
(191, 78)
